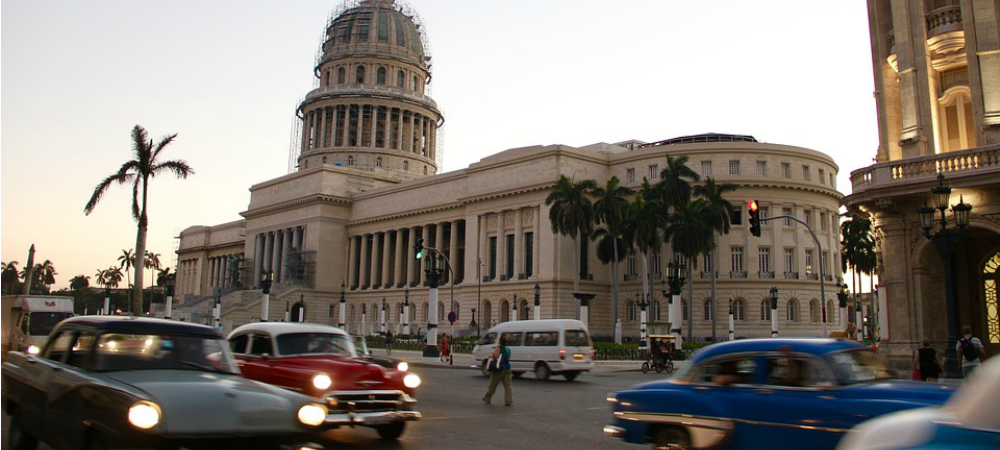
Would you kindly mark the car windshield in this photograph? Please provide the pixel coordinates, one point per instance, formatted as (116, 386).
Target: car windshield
(42, 322)
(577, 338)
(117, 351)
(360, 344)
(315, 344)
(857, 366)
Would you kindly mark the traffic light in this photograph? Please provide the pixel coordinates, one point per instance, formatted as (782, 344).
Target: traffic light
(754, 208)
(419, 248)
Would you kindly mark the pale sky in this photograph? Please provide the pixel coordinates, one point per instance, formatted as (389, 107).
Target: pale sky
(226, 76)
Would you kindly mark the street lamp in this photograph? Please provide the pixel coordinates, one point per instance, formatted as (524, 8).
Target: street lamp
(842, 296)
(676, 274)
(538, 302)
(171, 280)
(406, 311)
(107, 301)
(382, 316)
(774, 311)
(732, 331)
(266, 278)
(945, 240)
(515, 308)
(643, 323)
(857, 321)
(343, 307)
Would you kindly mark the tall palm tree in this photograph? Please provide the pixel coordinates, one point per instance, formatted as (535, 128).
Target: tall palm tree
(47, 274)
(857, 248)
(676, 177)
(610, 205)
(79, 282)
(571, 214)
(152, 262)
(138, 172)
(642, 228)
(113, 276)
(690, 234)
(9, 276)
(101, 277)
(719, 216)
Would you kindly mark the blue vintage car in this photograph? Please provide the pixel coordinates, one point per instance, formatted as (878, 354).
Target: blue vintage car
(766, 394)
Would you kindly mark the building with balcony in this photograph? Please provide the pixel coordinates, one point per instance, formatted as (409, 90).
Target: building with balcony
(937, 81)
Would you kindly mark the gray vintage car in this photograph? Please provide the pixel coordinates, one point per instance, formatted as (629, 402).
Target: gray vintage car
(117, 382)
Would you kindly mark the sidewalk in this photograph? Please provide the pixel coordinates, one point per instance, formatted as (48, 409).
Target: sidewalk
(465, 361)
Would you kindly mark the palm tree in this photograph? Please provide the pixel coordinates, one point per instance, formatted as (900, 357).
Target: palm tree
(138, 172)
(572, 214)
(610, 205)
(642, 228)
(113, 276)
(162, 276)
(79, 282)
(47, 274)
(9, 276)
(857, 248)
(152, 261)
(690, 234)
(720, 213)
(674, 186)
(101, 277)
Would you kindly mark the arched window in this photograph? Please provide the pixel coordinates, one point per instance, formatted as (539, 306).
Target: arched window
(399, 310)
(686, 314)
(814, 311)
(350, 160)
(522, 310)
(425, 170)
(955, 111)
(324, 160)
(441, 313)
(740, 310)
(486, 315)
(406, 165)
(341, 76)
(504, 310)
(631, 311)
(378, 162)
(424, 314)
(359, 77)
(352, 314)
(830, 317)
(765, 310)
(380, 76)
(413, 313)
(991, 282)
(709, 310)
(399, 79)
(792, 314)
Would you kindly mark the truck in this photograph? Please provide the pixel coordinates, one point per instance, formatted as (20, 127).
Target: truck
(28, 319)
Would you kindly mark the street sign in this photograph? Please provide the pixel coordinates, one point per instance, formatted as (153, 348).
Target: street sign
(452, 316)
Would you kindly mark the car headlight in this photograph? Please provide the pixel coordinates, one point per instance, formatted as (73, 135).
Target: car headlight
(612, 397)
(411, 380)
(33, 349)
(322, 381)
(312, 414)
(144, 415)
(402, 366)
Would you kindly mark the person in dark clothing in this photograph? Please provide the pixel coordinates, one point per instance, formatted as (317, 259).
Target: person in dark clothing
(927, 361)
(388, 343)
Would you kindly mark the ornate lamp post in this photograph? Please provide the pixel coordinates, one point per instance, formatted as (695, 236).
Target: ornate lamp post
(406, 311)
(266, 278)
(433, 267)
(676, 274)
(842, 296)
(858, 321)
(171, 280)
(945, 240)
(643, 321)
(107, 301)
(732, 330)
(515, 308)
(774, 311)
(343, 307)
(381, 317)
(538, 302)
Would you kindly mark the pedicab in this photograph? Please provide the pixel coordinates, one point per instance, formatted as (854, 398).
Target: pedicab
(661, 354)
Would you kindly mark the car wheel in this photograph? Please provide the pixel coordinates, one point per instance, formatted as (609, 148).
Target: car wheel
(486, 372)
(542, 371)
(645, 367)
(671, 438)
(516, 374)
(670, 367)
(391, 431)
(659, 368)
(570, 376)
(18, 439)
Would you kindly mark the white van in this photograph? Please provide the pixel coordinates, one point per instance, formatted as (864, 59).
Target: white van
(28, 320)
(545, 347)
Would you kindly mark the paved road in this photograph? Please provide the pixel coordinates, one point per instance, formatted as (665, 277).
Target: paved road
(552, 414)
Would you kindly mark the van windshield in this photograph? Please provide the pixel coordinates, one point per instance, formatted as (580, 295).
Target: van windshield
(42, 322)
(577, 338)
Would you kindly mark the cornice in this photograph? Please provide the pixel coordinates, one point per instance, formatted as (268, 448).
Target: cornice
(317, 198)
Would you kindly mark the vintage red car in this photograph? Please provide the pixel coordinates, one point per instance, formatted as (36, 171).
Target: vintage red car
(321, 361)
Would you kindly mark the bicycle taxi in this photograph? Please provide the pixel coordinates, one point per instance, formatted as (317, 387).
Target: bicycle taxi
(661, 354)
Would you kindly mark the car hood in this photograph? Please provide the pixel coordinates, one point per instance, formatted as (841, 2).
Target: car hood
(347, 373)
(909, 391)
(195, 402)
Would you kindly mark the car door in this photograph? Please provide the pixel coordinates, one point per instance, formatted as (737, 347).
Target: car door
(256, 363)
(791, 401)
(65, 410)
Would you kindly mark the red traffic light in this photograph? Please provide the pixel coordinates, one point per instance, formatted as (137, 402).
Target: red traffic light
(752, 204)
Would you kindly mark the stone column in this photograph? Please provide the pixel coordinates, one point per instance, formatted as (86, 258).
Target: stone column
(518, 243)
(413, 266)
(286, 252)
(363, 262)
(258, 259)
(352, 252)
(384, 280)
(211, 272)
(484, 245)
(374, 261)
(268, 251)
(453, 248)
(439, 244)
(276, 256)
(397, 263)
(501, 244)
(536, 242)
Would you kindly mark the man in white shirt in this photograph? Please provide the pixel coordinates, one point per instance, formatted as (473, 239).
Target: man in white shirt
(970, 352)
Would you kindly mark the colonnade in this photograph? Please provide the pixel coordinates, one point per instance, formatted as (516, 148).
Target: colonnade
(187, 276)
(385, 259)
(369, 126)
(272, 250)
(220, 269)
(507, 251)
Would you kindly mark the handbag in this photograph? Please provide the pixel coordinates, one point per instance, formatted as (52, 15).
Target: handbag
(916, 375)
(493, 365)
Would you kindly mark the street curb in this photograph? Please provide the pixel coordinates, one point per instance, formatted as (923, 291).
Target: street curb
(441, 366)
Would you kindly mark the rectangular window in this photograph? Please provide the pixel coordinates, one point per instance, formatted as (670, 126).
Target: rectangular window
(529, 254)
(822, 221)
(707, 264)
(394, 129)
(786, 170)
(736, 259)
(825, 261)
(762, 168)
(734, 167)
(810, 268)
(822, 176)
(833, 181)
(737, 217)
(366, 126)
(806, 175)
(383, 26)
(789, 260)
(631, 265)
(654, 172)
(510, 256)
(787, 212)
(655, 263)
(809, 219)
(493, 258)
(630, 176)
(541, 339)
(764, 213)
(764, 259)
(706, 168)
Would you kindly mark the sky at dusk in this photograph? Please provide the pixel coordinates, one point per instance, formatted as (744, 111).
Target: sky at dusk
(227, 75)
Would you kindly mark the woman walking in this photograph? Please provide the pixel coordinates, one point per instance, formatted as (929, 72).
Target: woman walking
(501, 353)
(926, 360)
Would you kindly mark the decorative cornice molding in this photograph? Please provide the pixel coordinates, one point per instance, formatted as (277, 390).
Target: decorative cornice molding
(320, 198)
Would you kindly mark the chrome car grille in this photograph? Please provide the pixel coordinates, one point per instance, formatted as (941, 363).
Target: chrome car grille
(368, 401)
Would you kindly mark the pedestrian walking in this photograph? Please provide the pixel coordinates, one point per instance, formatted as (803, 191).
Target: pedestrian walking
(500, 373)
(970, 351)
(444, 347)
(927, 362)
(388, 343)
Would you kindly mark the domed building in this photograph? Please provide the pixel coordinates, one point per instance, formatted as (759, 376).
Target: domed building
(336, 234)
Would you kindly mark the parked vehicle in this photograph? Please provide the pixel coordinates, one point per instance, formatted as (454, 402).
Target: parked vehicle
(753, 394)
(321, 361)
(122, 382)
(545, 347)
(969, 421)
(28, 319)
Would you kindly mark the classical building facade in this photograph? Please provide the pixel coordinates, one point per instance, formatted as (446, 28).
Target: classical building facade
(338, 231)
(937, 80)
